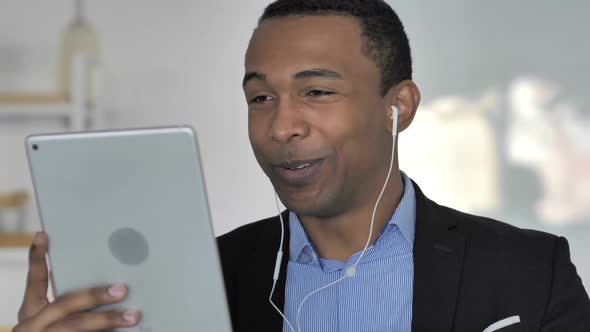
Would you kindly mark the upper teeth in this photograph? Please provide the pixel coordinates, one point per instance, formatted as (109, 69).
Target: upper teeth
(301, 166)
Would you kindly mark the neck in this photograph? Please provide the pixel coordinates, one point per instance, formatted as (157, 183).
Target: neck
(341, 236)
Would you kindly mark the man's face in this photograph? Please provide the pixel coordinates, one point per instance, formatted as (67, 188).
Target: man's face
(317, 120)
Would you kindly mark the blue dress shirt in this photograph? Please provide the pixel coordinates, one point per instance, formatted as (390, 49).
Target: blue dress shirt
(377, 298)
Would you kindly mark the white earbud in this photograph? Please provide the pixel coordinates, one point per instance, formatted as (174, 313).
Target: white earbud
(394, 117)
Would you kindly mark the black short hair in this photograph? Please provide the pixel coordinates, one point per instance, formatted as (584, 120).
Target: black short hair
(385, 40)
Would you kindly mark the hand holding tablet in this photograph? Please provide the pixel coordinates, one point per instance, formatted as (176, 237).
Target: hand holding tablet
(69, 312)
(123, 207)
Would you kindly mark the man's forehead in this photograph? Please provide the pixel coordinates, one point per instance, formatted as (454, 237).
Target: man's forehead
(303, 42)
(310, 32)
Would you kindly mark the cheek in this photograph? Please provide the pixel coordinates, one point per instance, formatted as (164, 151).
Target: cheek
(346, 127)
(257, 133)
(357, 140)
(256, 128)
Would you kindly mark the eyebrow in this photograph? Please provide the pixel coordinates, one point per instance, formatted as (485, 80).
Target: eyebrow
(253, 76)
(315, 72)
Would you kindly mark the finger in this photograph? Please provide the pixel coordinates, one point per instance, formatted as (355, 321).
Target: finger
(88, 321)
(79, 301)
(37, 278)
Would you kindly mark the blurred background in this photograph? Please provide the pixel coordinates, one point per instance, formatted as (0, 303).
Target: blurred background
(503, 129)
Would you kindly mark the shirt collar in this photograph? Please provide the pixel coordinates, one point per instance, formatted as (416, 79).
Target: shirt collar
(404, 218)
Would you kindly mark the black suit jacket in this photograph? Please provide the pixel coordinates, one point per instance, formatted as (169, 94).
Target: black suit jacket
(469, 272)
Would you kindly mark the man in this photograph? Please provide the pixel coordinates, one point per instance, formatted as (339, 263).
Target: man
(322, 78)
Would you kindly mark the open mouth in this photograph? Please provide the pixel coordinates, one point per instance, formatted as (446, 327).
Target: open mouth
(298, 172)
(302, 166)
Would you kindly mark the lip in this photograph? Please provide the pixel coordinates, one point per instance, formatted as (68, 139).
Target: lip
(298, 177)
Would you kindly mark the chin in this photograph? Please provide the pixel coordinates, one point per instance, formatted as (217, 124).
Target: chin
(317, 204)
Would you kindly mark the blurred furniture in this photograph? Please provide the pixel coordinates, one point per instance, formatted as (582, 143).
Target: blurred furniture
(12, 218)
(12, 213)
(16, 240)
(74, 109)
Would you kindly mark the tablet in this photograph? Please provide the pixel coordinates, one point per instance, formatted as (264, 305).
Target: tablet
(130, 206)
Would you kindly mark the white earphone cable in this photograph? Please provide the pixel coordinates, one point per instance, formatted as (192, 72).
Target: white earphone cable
(278, 266)
(351, 271)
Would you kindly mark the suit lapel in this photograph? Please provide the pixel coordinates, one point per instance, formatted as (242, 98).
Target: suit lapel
(438, 265)
(255, 313)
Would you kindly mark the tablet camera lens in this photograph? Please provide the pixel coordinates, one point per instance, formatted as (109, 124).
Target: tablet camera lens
(35, 147)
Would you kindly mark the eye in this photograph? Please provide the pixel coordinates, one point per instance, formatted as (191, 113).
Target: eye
(319, 93)
(260, 99)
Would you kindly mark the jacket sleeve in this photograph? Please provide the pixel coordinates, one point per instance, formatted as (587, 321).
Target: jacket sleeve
(227, 245)
(569, 307)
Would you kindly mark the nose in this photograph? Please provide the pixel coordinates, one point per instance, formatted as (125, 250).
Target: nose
(288, 123)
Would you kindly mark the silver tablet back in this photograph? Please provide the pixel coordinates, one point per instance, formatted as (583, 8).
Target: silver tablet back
(130, 206)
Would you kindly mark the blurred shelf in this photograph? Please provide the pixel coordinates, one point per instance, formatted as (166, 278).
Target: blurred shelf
(15, 98)
(34, 105)
(8, 240)
(73, 107)
(16, 199)
(35, 111)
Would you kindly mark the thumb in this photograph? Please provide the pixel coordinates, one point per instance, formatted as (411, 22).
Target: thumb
(37, 279)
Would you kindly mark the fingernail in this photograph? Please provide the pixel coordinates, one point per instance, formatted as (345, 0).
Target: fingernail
(131, 316)
(38, 238)
(117, 290)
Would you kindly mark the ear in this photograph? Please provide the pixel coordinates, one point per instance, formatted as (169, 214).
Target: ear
(406, 97)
